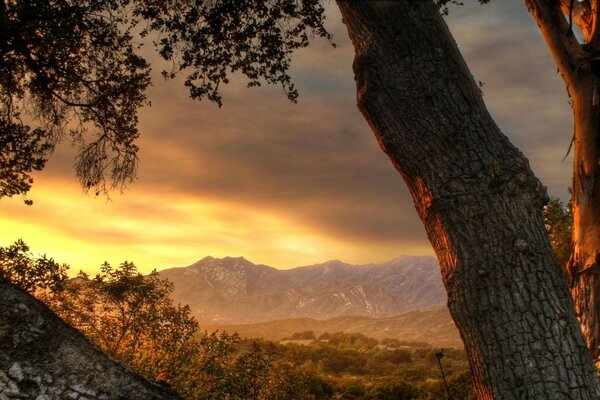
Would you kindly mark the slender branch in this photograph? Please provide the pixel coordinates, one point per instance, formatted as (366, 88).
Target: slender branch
(594, 40)
(554, 26)
(578, 13)
(586, 15)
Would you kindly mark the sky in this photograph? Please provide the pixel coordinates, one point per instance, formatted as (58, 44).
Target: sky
(288, 184)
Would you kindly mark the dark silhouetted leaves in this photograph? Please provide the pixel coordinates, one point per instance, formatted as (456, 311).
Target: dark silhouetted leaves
(72, 69)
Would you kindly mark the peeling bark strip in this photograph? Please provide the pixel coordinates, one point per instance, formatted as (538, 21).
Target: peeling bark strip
(479, 202)
(579, 65)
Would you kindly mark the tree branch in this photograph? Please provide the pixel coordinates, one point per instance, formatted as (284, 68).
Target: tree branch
(580, 12)
(554, 26)
(594, 39)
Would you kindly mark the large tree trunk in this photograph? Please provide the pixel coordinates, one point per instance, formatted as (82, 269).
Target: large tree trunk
(584, 266)
(479, 202)
(579, 66)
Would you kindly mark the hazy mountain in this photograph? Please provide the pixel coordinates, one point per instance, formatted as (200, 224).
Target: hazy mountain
(236, 291)
(434, 326)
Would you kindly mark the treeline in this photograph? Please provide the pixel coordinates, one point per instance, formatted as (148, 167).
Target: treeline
(355, 366)
(133, 319)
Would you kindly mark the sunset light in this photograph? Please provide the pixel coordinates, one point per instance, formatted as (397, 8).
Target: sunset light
(299, 199)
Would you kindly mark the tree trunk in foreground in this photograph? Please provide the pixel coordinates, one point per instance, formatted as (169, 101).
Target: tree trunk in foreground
(479, 202)
(584, 265)
(579, 66)
(43, 358)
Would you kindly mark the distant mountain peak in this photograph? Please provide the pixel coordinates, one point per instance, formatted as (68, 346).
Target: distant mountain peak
(235, 290)
(335, 261)
(227, 261)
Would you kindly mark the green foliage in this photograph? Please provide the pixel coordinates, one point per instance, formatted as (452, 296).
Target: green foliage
(73, 69)
(558, 217)
(370, 372)
(398, 391)
(131, 317)
(22, 269)
(352, 340)
(396, 356)
(390, 342)
(306, 335)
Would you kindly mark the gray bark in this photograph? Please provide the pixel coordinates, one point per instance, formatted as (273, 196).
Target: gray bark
(41, 357)
(478, 199)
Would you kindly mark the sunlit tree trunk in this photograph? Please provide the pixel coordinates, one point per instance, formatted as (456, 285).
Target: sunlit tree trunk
(584, 266)
(479, 202)
(579, 65)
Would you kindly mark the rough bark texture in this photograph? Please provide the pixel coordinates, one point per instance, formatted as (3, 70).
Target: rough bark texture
(43, 358)
(479, 202)
(579, 66)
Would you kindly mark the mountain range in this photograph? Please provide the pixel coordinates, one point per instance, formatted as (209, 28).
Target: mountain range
(233, 290)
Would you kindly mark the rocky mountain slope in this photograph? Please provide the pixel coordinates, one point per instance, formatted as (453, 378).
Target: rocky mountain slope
(236, 291)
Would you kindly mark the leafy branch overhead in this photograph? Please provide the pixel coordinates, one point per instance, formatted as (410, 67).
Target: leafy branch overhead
(73, 69)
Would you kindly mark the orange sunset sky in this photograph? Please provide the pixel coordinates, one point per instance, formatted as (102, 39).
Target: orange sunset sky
(288, 184)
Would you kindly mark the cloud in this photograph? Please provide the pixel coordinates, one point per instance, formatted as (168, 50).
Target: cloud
(288, 184)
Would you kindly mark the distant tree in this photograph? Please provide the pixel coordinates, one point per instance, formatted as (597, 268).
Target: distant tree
(390, 342)
(21, 268)
(398, 356)
(352, 340)
(397, 391)
(209, 373)
(559, 221)
(305, 335)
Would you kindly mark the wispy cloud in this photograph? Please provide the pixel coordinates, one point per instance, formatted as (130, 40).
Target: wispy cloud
(288, 184)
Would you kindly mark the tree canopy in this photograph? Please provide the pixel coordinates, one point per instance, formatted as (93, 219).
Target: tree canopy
(21, 268)
(74, 69)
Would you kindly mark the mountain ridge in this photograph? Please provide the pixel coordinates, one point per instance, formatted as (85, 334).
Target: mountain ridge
(233, 290)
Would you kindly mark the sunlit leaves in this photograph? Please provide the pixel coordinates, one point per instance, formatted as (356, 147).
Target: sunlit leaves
(21, 268)
(131, 317)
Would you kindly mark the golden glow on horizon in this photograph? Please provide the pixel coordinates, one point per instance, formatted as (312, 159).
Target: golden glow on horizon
(161, 230)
